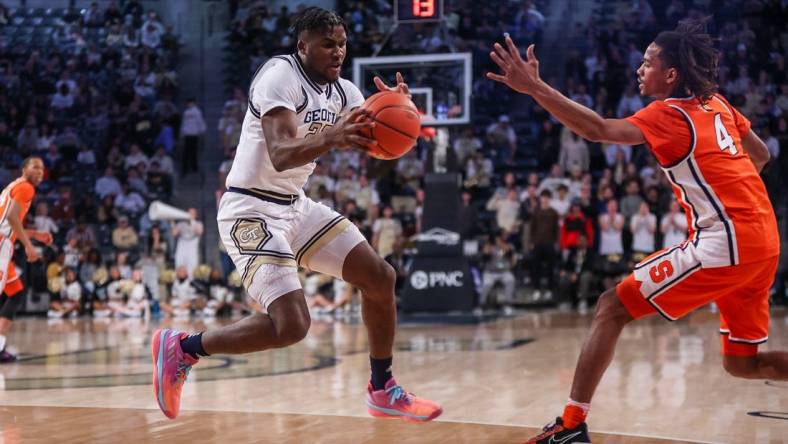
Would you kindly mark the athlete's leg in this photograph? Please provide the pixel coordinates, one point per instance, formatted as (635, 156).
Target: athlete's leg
(764, 365)
(365, 270)
(286, 323)
(610, 318)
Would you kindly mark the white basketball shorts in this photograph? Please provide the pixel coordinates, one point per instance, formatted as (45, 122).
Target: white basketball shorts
(265, 239)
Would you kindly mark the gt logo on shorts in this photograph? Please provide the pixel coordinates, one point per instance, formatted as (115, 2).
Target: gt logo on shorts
(250, 235)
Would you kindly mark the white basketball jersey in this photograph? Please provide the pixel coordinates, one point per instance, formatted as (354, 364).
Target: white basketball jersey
(283, 82)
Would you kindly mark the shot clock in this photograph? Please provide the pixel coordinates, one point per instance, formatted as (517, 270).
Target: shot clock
(410, 11)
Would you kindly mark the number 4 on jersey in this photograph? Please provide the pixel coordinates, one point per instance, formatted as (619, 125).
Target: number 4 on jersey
(724, 139)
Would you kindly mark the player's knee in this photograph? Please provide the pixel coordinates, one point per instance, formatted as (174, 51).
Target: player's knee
(741, 367)
(609, 308)
(294, 331)
(380, 275)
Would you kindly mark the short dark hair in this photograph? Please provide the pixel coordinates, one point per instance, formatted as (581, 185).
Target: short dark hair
(690, 49)
(546, 193)
(316, 18)
(29, 159)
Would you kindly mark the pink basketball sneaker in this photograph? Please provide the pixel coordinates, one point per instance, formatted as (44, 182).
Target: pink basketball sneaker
(170, 368)
(394, 402)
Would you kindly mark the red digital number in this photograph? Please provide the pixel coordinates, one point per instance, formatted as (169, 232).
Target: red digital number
(661, 271)
(423, 8)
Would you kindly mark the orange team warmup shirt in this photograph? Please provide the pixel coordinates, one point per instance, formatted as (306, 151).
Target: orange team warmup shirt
(20, 191)
(729, 216)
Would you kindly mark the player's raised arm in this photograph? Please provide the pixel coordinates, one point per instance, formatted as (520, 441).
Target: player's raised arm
(523, 76)
(280, 127)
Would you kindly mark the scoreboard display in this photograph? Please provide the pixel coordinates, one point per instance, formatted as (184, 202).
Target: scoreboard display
(418, 10)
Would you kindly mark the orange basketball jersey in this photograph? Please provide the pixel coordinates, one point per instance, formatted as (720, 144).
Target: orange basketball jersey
(730, 218)
(20, 191)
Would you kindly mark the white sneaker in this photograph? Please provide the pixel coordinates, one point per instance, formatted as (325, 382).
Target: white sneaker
(582, 306)
(536, 295)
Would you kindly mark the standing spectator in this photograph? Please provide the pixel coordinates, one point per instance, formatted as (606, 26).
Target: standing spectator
(499, 262)
(562, 200)
(385, 232)
(574, 152)
(543, 238)
(192, 127)
(643, 226)
(673, 226)
(575, 224)
(611, 244)
(507, 210)
(187, 248)
(576, 274)
(630, 203)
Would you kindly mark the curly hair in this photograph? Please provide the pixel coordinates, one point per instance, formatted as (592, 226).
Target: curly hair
(316, 18)
(690, 49)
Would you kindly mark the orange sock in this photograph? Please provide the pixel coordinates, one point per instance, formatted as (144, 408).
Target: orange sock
(575, 414)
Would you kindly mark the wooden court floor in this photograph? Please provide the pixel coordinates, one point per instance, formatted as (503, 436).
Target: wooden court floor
(84, 380)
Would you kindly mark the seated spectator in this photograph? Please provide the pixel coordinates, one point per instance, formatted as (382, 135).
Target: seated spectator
(136, 181)
(183, 296)
(465, 145)
(122, 262)
(62, 99)
(576, 275)
(89, 264)
(86, 157)
(220, 298)
(410, 171)
(63, 209)
(124, 237)
(367, 198)
(72, 253)
(43, 222)
(673, 226)
(83, 234)
(498, 256)
(138, 299)
(108, 184)
(150, 36)
(347, 187)
(478, 171)
(129, 201)
(107, 214)
(158, 183)
(135, 157)
(165, 161)
(70, 297)
(502, 138)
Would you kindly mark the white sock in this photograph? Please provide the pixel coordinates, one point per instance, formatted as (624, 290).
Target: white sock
(2, 342)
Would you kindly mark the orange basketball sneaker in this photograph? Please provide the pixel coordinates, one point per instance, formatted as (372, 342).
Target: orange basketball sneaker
(394, 402)
(171, 367)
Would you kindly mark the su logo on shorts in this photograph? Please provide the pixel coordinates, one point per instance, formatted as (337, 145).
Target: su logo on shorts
(250, 235)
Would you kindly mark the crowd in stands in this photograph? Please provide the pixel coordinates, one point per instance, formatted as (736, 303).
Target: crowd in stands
(551, 212)
(93, 92)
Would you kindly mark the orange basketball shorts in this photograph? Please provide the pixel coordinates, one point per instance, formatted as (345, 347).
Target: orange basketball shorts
(672, 283)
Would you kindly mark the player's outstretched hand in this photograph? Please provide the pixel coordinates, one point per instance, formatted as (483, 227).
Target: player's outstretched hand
(518, 74)
(401, 87)
(346, 133)
(32, 254)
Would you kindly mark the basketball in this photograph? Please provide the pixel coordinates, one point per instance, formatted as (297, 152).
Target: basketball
(397, 124)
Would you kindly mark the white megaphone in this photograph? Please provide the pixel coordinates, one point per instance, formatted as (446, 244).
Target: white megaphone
(161, 211)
